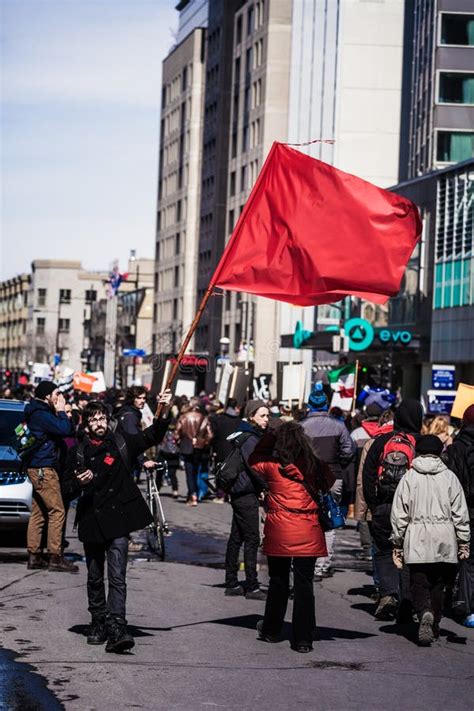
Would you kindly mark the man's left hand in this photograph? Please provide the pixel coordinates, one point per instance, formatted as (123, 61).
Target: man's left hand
(150, 464)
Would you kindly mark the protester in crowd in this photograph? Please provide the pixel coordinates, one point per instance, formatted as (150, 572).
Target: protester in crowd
(441, 428)
(430, 531)
(333, 445)
(48, 423)
(460, 459)
(194, 435)
(294, 538)
(224, 424)
(129, 421)
(393, 588)
(168, 452)
(376, 423)
(109, 509)
(244, 498)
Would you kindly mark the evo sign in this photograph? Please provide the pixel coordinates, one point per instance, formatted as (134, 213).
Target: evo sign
(362, 334)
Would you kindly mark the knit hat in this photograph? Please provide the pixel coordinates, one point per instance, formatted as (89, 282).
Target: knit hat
(373, 410)
(429, 444)
(468, 416)
(45, 388)
(252, 406)
(318, 399)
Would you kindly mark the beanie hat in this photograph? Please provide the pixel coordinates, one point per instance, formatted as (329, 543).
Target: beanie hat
(252, 407)
(429, 444)
(468, 416)
(374, 410)
(318, 398)
(45, 388)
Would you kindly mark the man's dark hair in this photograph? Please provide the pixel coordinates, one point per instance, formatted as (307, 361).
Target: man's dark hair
(133, 392)
(293, 446)
(94, 408)
(232, 402)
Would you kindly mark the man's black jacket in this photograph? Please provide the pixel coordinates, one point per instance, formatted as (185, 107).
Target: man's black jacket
(110, 506)
(409, 419)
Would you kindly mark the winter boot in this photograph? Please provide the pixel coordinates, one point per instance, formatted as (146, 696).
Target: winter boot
(118, 640)
(97, 631)
(263, 637)
(425, 630)
(36, 561)
(58, 564)
(387, 608)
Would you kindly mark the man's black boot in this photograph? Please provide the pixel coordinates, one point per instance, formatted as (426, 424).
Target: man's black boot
(118, 640)
(97, 631)
(37, 562)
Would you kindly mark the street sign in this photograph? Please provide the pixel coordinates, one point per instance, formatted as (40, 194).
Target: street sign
(442, 376)
(135, 352)
(440, 402)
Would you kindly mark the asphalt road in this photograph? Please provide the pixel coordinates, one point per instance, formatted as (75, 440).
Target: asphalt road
(195, 648)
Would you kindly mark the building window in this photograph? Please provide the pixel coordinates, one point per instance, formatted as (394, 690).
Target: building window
(456, 88)
(457, 29)
(238, 33)
(243, 178)
(177, 244)
(42, 297)
(176, 276)
(231, 221)
(64, 325)
(40, 326)
(250, 20)
(178, 211)
(155, 312)
(234, 144)
(454, 146)
(91, 296)
(184, 79)
(175, 309)
(65, 296)
(232, 184)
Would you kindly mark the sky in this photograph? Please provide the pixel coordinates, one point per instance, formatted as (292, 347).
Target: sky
(80, 102)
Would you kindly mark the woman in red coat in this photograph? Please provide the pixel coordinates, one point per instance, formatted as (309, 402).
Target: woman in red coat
(286, 460)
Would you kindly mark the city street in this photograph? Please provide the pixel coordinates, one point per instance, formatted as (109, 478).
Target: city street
(196, 648)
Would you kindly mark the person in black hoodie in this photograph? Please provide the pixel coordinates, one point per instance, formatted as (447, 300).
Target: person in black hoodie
(408, 419)
(129, 422)
(459, 458)
(109, 509)
(245, 514)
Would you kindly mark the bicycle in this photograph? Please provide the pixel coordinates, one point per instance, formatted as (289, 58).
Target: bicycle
(158, 529)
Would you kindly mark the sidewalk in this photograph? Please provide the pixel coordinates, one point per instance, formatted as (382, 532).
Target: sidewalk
(195, 648)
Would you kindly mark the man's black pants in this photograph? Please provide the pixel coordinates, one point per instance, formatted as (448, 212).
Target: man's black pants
(245, 530)
(304, 618)
(116, 552)
(428, 582)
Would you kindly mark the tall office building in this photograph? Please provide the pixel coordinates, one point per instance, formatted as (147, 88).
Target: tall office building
(179, 184)
(442, 85)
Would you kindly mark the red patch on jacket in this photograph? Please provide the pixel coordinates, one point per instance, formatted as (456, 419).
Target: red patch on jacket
(109, 460)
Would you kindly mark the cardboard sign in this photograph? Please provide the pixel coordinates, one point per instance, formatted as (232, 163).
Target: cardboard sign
(99, 383)
(224, 385)
(464, 398)
(83, 382)
(293, 385)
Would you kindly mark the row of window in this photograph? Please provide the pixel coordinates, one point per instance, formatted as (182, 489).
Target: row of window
(454, 146)
(172, 214)
(457, 29)
(65, 296)
(180, 83)
(454, 284)
(170, 310)
(12, 329)
(168, 278)
(169, 247)
(253, 20)
(13, 302)
(174, 181)
(456, 88)
(176, 119)
(64, 326)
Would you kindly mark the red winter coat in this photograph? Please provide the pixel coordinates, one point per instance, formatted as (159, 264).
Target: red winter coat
(292, 526)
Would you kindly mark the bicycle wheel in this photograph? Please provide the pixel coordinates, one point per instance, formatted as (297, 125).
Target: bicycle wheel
(155, 536)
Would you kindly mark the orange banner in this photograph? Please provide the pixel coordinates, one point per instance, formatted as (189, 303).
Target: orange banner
(83, 382)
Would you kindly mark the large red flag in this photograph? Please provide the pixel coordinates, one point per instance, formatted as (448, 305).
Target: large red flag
(311, 234)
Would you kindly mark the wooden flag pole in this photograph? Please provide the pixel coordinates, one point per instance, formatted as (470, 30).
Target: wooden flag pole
(185, 344)
(354, 399)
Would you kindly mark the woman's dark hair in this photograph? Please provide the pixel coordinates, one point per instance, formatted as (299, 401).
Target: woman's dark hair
(96, 407)
(133, 392)
(293, 446)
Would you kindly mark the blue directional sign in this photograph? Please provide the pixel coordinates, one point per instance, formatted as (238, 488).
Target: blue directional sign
(443, 377)
(440, 402)
(135, 352)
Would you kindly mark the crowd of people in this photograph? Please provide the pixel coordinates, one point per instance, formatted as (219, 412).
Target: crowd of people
(407, 479)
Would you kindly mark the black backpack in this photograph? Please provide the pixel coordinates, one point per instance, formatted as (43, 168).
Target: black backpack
(227, 471)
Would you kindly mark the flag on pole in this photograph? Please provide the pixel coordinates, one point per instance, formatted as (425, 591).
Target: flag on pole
(342, 380)
(311, 234)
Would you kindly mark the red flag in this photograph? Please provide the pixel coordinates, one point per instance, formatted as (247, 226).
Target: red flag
(311, 234)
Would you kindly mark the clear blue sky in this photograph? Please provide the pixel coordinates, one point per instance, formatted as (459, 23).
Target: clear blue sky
(80, 85)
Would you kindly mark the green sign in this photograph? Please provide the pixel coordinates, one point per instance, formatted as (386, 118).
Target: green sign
(361, 335)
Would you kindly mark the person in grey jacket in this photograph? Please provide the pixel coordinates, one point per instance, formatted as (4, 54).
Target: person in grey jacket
(333, 445)
(430, 532)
